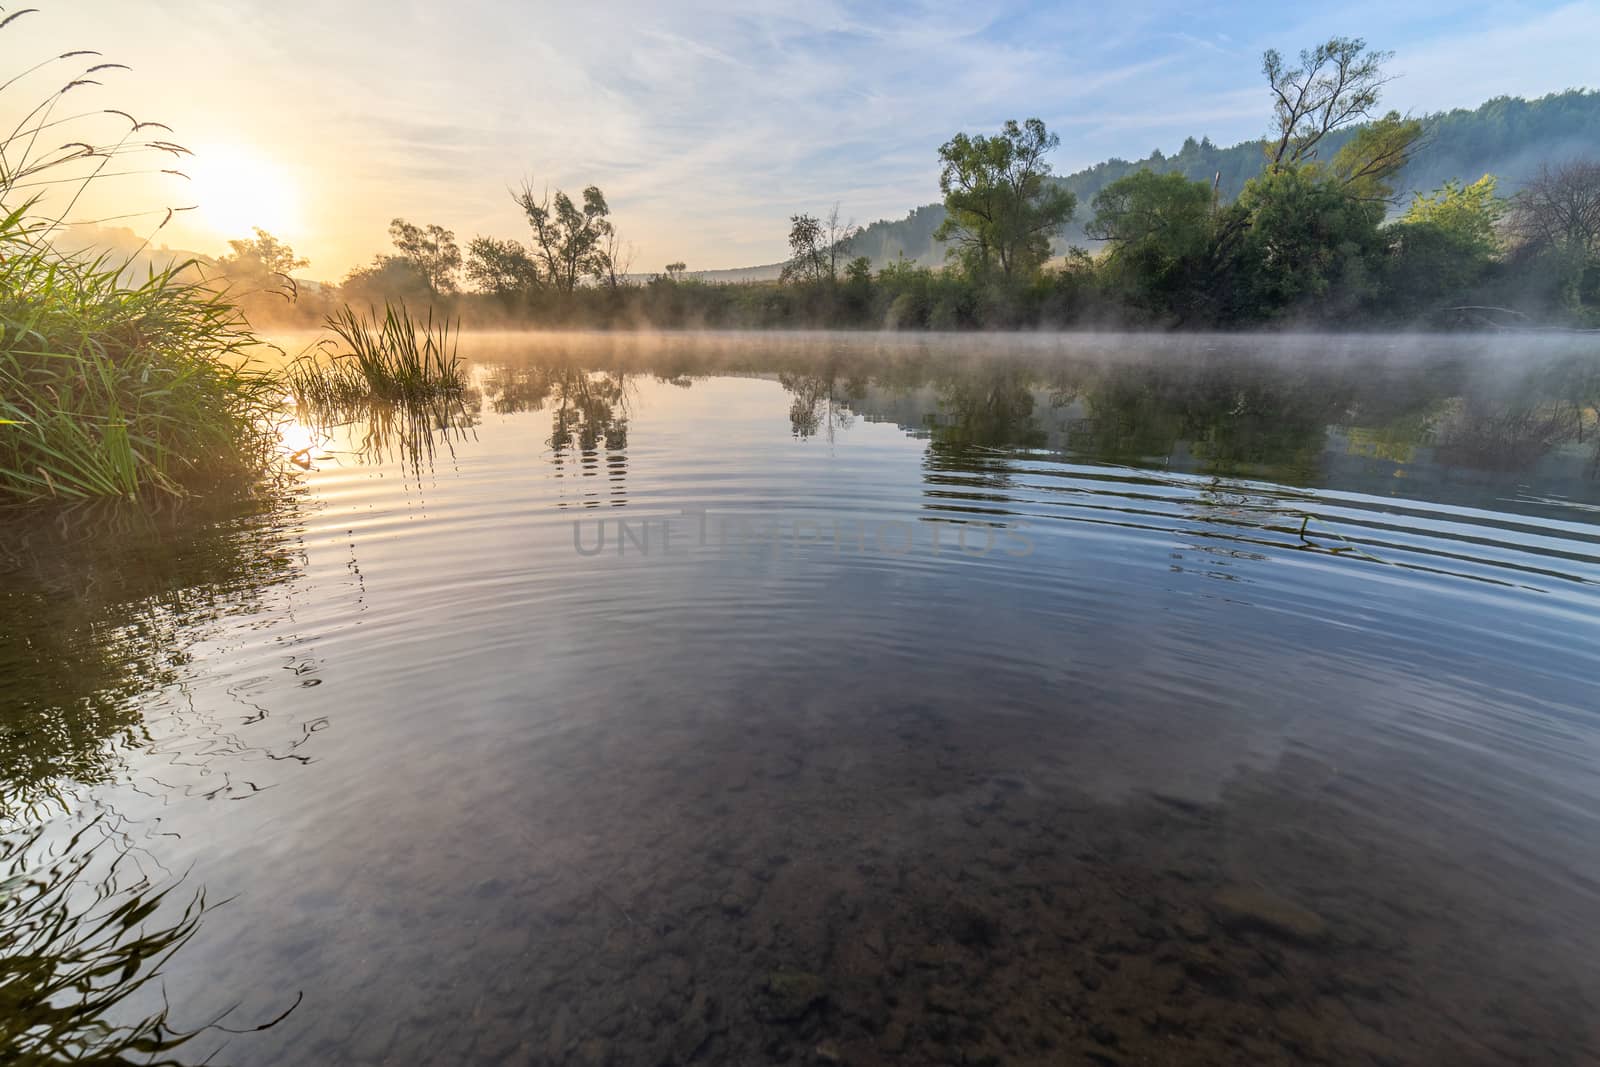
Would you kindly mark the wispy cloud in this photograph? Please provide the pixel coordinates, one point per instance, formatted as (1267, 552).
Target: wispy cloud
(709, 122)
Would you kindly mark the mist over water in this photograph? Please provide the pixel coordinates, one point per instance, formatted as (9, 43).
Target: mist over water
(1033, 699)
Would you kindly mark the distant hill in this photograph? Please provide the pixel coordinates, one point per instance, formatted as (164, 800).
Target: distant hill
(139, 256)
(1507, 137)
(767, 272)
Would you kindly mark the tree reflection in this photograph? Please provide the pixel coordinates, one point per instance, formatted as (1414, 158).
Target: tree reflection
(821, 398)
(101, 614)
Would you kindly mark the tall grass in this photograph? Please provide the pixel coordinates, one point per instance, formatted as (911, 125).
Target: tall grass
(395, 358)
(109, 387)
(118, 389)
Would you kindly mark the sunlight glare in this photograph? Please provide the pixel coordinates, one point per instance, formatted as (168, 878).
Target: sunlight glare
(236, 190)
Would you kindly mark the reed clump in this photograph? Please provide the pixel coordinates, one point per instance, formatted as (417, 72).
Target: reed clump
(395, 358)
(111, 388)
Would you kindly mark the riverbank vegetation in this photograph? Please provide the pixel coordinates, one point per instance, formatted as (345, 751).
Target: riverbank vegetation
(110, 385)
(390, 359)
(1316, 232)
(114, 385)
(112, 388)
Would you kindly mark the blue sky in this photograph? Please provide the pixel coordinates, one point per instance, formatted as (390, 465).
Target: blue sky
(709, 122)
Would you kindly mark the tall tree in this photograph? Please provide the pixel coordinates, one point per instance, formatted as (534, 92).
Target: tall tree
(1338, 83)
(431, 250)
(837, 239)
(570, 241)
(619, 258)
(1002, 209)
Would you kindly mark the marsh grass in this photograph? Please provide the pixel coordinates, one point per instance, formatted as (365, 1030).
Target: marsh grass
(395, 358)
(109, 387)
(113, 389)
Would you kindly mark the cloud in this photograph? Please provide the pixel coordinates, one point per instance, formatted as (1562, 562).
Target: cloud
(709, 122)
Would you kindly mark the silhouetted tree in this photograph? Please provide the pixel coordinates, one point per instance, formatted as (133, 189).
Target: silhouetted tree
(570, 241)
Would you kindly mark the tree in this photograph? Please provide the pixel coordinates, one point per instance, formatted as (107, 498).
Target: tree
(263, 254)
(432, 251)
(387, 278)
(570, 242)
(1338, 83)
(1158, 230)
(1469, 214)
(1308, 244)
(501, 268)
(619, 258)
(1560, 208)
(675, 270)
(1001, 208)
(837, 237)
(1148, 207)
(858, 287)
(1556, 218)
(807, 251)
(1377, 152)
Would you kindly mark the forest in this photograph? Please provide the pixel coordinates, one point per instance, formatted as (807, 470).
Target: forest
(1343, 216)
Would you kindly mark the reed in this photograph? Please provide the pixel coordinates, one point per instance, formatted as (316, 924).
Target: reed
(110, 387)
(118, 389)
(395, 358)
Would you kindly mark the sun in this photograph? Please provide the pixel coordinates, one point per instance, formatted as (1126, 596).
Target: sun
(236, 189)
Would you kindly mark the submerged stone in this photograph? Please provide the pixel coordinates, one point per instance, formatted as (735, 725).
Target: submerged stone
(790, 994)
(1243, 907)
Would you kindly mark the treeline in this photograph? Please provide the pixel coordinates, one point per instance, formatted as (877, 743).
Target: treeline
(1315, 236)
(1507, 136)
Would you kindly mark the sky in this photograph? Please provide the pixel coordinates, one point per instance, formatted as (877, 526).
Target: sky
(707, 123)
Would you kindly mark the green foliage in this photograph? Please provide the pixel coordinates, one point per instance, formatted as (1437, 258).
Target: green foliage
(1158, 230)
(109, 388)
(393, 359)
(808, 260)
(1309, 245)
(501, 268)
(1002, 210)
(1469, 214)
(1507, 136)
(1367, 163)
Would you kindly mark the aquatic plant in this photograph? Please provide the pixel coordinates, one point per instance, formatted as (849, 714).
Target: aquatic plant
(84, 939)
(75, 946)
(110, 387)
(393, 358)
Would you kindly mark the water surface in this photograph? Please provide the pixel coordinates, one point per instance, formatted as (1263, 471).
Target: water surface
(943, 700)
